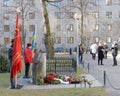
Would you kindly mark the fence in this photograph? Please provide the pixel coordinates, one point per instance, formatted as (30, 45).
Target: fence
(61, 65)
(106, 79)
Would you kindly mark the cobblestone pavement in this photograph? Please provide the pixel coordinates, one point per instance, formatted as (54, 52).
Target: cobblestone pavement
(112, 72)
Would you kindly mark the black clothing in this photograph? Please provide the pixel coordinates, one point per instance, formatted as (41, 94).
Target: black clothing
(80, 53)
(10, 57)
(114, 54)
(93, 56)
(105, 51)
(27, 67)
(100, 55)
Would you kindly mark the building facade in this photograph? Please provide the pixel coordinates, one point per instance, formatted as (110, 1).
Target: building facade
(100, 22)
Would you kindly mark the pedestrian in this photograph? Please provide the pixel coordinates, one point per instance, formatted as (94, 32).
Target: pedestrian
(70, 51)
(12, 82)
(114, 52)
(27, 60)
(10, 54)
(93, 49)
(105, 46)
(81, 51)
(100, 53)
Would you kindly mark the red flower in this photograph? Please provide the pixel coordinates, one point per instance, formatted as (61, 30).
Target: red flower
(50, 78)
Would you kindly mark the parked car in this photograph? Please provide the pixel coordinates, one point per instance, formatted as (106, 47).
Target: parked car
(59, 49)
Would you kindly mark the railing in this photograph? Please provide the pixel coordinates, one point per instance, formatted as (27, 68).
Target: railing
(61, 65)
(108, 80)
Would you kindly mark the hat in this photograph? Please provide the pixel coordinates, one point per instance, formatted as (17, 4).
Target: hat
(28, 44)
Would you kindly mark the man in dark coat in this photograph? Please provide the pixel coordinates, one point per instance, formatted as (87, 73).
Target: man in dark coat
(114, 52)
(81, 50)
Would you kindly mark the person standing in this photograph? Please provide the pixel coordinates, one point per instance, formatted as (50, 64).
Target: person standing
(93, 49)
(81, 50)
(114, 52)
(27, 60)
(105, 46)
(10, 54)
(12, 82)
(100, 53)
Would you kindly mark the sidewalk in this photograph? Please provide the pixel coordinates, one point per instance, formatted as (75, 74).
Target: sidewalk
(112, 72)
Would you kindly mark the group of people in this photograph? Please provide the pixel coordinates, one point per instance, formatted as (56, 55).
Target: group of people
(102, 49)
(27, 60)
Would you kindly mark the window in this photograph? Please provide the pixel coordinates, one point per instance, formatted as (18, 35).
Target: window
(58, 15)
(57, 4)
(70, 40)
(31, 27)
(119, 39)
(58, 40)
(96, 2)
(18, 3)
(96, 39)
(6, 2)
(58, 27)
(96, 14)
(108, 39)
(119, 14)
(6, 28)
(69, 15)
(109, 14)
(108, 2)
(6, 16)
(96, 27)
(31, 15)
(70, 27)
(6, 40)
(109, 26)
(31, 3)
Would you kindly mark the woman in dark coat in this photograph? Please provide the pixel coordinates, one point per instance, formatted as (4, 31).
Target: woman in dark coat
(100, 53)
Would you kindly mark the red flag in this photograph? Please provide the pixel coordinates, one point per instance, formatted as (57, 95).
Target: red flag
(16, 53)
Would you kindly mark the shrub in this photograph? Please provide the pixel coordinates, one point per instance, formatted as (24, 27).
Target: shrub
(4, 66)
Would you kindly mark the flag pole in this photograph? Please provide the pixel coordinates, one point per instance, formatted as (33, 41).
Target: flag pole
(33, 48)
(16, 56)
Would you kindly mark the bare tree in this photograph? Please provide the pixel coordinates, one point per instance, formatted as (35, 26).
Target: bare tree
(25, 7)
(48, 38)
(116, 29)
(83, 7)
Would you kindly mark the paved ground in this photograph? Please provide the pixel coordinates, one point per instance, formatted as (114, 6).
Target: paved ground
(113, 72)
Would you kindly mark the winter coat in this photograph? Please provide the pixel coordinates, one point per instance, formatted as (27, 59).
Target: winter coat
(115, 50)
(27, 55)
(100, 52)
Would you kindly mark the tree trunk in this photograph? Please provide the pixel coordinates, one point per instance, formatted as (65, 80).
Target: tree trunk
(48, 39)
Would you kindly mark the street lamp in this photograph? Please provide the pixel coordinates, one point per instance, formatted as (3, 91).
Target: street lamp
(77, 17)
